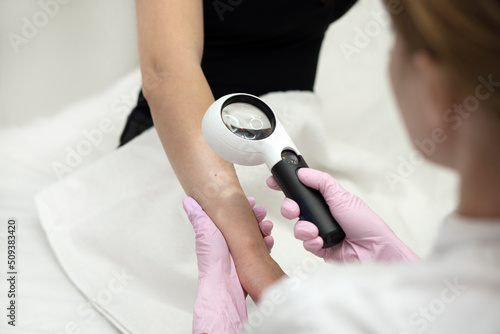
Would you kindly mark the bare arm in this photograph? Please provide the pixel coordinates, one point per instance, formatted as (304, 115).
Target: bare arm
(171, 47)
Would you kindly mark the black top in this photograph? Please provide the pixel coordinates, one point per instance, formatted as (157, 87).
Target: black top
(256, 47)
(259, 46)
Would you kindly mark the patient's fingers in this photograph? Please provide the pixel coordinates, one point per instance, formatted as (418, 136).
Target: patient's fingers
(272, 183)
(305, 230)
(251, 200)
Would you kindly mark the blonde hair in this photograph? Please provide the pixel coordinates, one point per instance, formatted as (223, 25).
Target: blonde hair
(463, 35)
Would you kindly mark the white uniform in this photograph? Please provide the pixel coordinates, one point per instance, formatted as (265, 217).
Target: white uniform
(457, 290)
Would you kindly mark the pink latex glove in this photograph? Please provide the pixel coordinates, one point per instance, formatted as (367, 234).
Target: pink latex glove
(220, 300)
(368, 237)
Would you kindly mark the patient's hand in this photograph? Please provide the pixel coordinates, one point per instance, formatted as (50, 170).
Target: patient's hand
(220, 299)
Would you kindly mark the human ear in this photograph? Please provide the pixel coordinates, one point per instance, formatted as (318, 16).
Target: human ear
(435, 84)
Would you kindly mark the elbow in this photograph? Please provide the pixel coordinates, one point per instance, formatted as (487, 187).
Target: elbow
(153, 76)
(158, 71)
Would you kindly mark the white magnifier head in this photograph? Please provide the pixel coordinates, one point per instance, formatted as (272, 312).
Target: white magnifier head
(243, 129)
(247, 121)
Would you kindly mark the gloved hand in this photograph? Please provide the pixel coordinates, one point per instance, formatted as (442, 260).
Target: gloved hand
(368, 237)
(220, 300)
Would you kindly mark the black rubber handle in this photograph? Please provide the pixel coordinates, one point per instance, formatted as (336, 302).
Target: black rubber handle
(312, 205)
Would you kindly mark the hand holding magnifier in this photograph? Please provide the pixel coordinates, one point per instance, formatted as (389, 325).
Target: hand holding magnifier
(242, 129)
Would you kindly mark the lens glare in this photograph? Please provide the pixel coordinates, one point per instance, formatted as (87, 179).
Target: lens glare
(246, 121)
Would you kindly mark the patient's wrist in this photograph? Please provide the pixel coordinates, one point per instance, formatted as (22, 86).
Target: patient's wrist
(234, 217)
(257, 275)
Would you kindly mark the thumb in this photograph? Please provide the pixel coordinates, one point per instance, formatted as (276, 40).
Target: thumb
(325, 183)
(194, 211)
(354, 216)
(316, 179)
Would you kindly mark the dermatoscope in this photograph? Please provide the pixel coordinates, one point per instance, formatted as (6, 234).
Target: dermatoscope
(243, 129)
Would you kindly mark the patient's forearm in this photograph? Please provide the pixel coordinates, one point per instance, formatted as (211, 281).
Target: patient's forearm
(178, 103)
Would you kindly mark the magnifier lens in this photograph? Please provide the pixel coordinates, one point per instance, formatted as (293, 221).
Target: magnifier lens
(246, 121)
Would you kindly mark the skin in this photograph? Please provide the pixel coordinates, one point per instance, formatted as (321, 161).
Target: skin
(170, 37)
(424, 91)
(170, 48)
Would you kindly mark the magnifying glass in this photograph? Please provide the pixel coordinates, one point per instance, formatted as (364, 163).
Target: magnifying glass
(243, 129)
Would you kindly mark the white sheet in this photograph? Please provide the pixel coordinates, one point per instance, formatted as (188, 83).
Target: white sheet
(48, 301)
(123, 213)
(120, 209)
